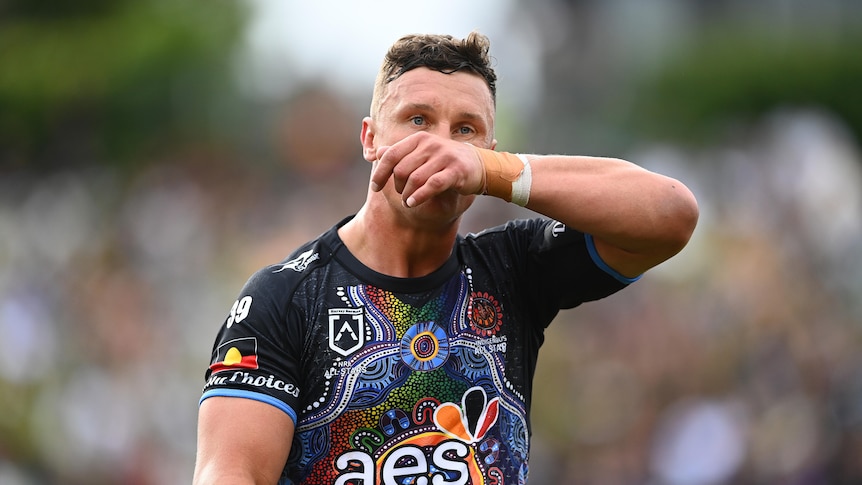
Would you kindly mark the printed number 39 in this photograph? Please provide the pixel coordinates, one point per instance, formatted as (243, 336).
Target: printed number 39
(239, 310)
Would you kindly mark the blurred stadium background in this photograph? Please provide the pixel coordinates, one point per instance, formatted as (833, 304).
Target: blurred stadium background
(153, 154)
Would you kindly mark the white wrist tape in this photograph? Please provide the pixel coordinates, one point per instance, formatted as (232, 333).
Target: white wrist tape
(521, 185)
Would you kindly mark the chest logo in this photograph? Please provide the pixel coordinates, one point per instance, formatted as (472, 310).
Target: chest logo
(346, 330)
(485, 314)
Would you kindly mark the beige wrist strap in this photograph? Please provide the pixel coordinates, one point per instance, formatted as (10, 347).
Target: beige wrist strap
(507, 176)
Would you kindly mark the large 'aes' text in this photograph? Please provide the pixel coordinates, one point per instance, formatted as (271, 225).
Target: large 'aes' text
(407, 461)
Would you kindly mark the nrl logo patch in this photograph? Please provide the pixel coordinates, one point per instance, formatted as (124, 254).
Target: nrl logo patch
(346, 330)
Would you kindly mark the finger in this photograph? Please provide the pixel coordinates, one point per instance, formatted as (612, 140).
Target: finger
(434, 185)
(411, 170)
(418, 177)
(414, 169)
(388, 157)
(380, 173)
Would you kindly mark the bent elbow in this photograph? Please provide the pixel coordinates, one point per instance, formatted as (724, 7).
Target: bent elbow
(682, 216)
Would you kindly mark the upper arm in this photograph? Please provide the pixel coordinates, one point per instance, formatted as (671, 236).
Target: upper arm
(624, 262)
(241, 441)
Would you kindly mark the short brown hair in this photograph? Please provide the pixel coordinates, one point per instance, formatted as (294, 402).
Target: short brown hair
(442, 53)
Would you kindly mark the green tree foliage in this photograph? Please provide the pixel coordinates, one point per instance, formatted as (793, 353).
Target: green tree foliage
(96, 81)
(733, 76)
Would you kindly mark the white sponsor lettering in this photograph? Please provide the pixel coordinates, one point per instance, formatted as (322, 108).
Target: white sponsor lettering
(240, 377)
(360, 460)
(407, 461)
(439, 459)
(416, 465)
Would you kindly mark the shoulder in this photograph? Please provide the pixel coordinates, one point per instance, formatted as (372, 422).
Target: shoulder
(511, 229)
(281, 279)
(535, 234)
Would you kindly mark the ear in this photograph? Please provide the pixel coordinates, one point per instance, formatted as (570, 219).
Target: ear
(366, 136)
(494, 144)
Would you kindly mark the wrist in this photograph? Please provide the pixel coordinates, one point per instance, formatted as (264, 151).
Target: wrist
(507, 175)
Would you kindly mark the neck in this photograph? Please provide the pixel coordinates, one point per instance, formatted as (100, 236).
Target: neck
(399, 248)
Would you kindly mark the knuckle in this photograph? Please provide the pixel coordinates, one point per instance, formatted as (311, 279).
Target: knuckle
(400, 172)
(436, 183)
(386, 158)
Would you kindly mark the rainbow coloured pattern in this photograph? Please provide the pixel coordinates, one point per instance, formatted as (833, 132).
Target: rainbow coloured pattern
(425, 400)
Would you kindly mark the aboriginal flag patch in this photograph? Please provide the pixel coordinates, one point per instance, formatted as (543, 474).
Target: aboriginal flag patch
(238, 353)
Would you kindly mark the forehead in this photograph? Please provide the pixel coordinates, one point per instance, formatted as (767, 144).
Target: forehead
(460, 90)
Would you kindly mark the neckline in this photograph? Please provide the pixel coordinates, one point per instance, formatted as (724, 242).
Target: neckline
(392, 283)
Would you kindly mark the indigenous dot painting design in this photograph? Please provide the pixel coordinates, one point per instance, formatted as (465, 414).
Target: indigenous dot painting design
(425, 400)
(424, 346)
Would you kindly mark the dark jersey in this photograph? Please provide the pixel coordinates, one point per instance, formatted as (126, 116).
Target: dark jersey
(406, 380)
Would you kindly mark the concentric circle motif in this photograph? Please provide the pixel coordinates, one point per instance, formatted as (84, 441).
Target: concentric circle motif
(424, 346)
(484, 314)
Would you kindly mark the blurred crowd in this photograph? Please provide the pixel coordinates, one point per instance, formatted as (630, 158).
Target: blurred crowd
(111, 291)
(737, 362)
(740, 361)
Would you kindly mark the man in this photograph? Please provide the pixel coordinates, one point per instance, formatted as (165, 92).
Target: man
(393, 350)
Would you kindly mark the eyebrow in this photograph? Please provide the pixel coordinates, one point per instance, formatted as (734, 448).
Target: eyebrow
(427, 107)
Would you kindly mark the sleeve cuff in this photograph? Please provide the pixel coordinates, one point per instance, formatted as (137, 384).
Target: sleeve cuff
(594, 255)
(255, 396)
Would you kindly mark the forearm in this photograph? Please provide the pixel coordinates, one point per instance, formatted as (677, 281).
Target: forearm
(619, 202)
(637, 217)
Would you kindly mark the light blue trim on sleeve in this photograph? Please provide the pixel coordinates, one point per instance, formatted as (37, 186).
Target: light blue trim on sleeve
(594, 254)
(255, 396)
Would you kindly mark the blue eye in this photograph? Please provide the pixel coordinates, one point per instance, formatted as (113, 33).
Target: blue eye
(465, 130)
(417, 120)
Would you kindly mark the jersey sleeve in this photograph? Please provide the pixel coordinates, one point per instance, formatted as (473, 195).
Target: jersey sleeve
(555, 267)
(256, 354)
(569, 266)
